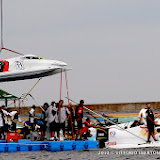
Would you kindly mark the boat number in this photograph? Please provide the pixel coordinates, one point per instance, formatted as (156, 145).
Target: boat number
(19, 65)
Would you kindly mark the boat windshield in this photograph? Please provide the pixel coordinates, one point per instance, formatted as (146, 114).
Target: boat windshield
(29, 57)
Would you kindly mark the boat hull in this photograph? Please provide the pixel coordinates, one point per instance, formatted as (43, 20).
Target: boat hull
(30, 75)
(135, 137)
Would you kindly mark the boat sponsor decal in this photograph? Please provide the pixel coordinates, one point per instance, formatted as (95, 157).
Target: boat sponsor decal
(144, 131)
(19, 65)
(143, 126)
(112, 133)
(111, 143)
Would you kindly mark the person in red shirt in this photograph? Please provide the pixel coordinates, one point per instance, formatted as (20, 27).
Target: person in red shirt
(85, 130)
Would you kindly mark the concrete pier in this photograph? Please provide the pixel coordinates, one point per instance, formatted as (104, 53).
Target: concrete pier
(118, 107)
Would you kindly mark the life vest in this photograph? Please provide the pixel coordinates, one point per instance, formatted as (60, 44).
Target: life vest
(79, 110)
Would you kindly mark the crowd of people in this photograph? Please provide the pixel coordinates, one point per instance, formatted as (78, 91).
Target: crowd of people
(54, 118)
(58, 117)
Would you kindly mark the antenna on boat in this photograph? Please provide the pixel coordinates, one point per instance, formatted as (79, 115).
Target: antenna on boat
(2, 47)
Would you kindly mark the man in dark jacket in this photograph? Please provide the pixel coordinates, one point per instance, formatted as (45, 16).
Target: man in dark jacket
(150, 122)
(71, 124)
(79, 118)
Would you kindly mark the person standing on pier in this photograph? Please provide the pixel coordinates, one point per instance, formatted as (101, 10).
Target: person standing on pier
(14, 115)
(51, 123)
(79, 118)
(63, 114)
(44, 120)
(31, 117)
(1, 122)
(147, 116)
(71, 123)
(6, 116)
(150, 122)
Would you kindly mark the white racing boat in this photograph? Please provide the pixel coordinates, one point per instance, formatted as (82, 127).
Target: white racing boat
(125, 135)
(28, 67)
(128, 135)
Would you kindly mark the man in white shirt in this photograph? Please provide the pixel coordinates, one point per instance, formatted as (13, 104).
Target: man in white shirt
(143, 116)
(51, 114)
(63, 114)
(6, 116)
(14, 115)
(31, 117)
(1, 122)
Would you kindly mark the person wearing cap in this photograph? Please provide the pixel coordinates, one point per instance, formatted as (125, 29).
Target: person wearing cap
(79, 118)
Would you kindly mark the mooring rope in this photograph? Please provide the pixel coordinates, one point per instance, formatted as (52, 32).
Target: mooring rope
(36, 102)
(29, 92)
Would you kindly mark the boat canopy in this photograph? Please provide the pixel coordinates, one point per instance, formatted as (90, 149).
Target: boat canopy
(5, 96)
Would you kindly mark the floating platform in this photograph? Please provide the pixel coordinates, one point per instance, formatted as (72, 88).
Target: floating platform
(54, 146)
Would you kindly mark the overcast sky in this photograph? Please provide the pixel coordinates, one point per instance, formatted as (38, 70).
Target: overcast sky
(113, 47)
